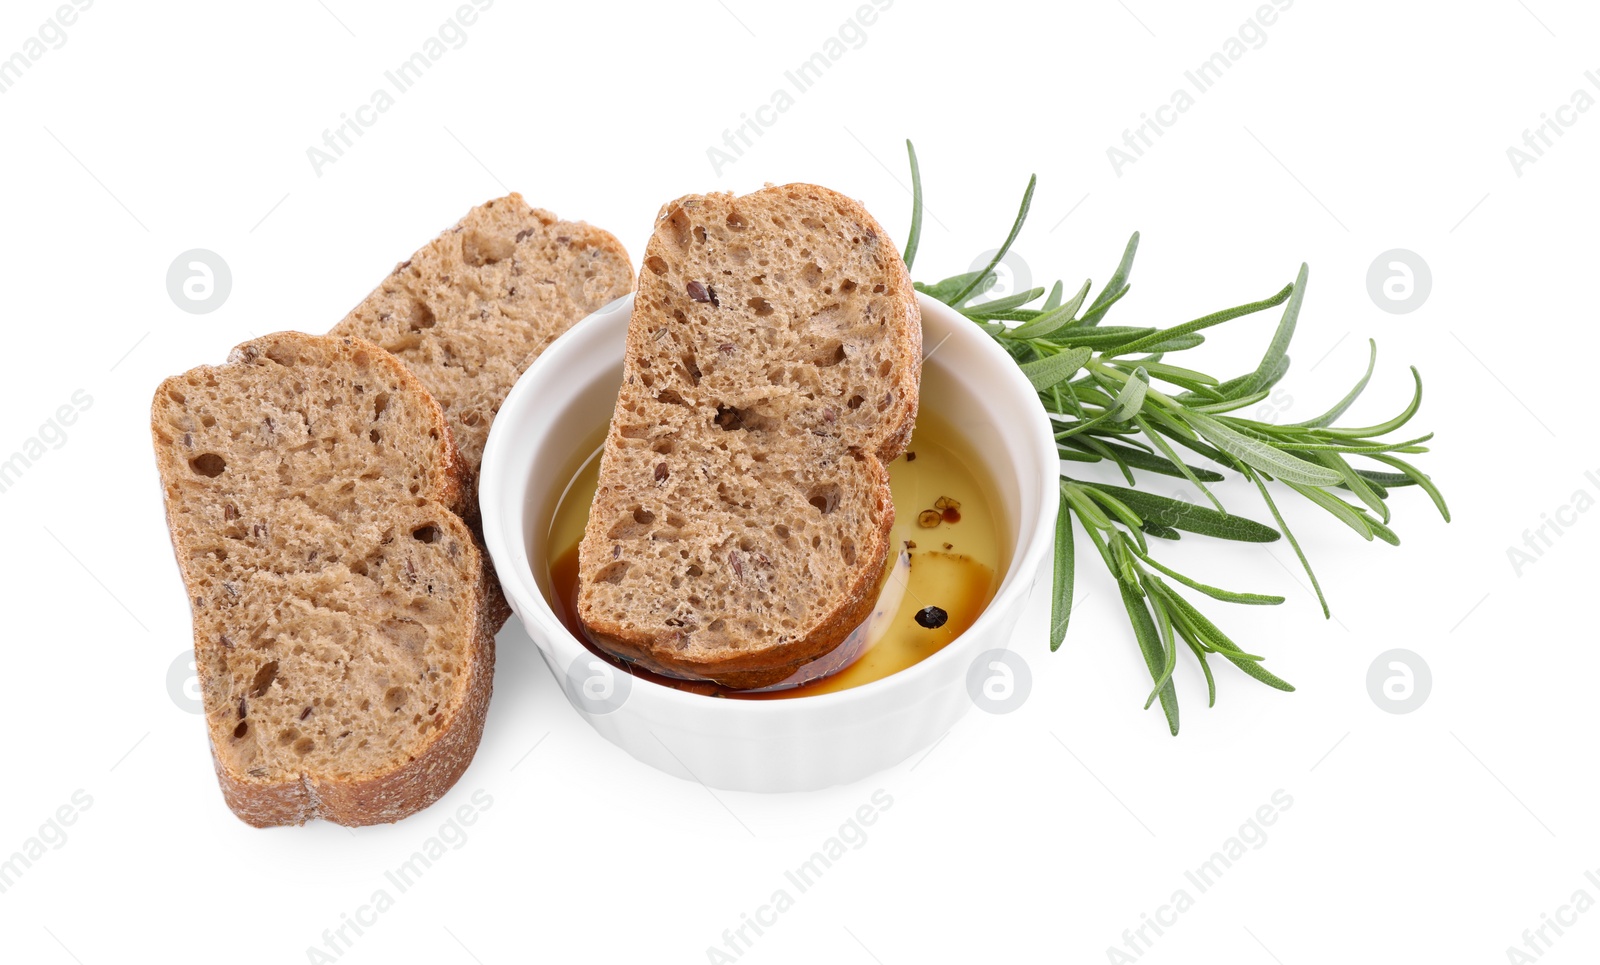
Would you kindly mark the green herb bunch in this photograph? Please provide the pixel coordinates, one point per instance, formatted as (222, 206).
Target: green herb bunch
(1113, 396)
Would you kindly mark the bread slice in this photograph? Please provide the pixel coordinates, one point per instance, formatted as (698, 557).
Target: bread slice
(471, 310)
(341, 625)
(742, 519)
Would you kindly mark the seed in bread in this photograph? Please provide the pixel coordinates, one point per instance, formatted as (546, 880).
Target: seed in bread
(741, 523)
(341, 631)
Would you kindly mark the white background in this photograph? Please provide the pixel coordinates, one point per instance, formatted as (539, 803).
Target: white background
(1438, 835)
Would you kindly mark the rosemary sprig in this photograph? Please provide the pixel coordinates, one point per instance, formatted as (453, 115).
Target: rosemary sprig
(1113, 396)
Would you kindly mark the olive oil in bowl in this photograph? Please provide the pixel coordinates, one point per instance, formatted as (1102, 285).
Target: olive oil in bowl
(946, 561)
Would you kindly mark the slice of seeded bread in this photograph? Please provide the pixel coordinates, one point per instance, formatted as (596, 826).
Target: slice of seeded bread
(341, 626)
(743, 512)
(471, 310)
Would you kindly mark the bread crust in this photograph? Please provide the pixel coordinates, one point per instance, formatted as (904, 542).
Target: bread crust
(660, 651)
(369, 798)
(383, 798)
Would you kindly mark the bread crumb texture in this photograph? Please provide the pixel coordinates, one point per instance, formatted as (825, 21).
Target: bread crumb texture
(313, 495)
(471, 310)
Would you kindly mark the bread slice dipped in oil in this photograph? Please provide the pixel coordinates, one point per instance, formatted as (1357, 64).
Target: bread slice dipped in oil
(741, 522)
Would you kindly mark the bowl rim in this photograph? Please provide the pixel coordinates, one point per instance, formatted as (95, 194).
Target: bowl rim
(1034, 538)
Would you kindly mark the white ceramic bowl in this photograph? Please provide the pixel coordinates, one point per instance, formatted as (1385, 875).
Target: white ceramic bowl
(542, 435)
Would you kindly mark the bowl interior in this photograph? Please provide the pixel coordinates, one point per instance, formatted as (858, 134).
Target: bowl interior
(555, 418)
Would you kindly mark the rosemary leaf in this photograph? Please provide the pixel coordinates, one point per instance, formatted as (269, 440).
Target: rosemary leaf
(1205, 321)
(915, 234)
(1189, 517)
(1045, 372)
(1061, 576)
(1253, 452)
(1116, 287)
(1144, 631)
